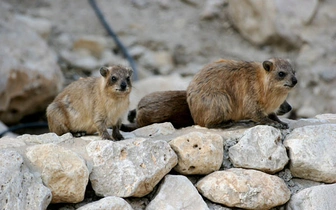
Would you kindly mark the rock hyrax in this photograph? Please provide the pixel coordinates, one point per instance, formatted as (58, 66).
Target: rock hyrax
(161, 106)
(227, 91)
(92, 104)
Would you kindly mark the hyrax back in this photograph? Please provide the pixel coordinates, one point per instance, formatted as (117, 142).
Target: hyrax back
(162, 106)
(227, 91)
(92, 105)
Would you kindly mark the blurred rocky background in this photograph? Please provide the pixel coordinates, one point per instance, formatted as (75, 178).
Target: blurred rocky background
(47, 44)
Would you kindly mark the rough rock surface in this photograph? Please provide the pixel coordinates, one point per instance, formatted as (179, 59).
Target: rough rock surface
(310, 145)
(29, 72)
(260, 148)
(177, 192)
(155, 130)
(198, 153)
(20, 189)
(244, 188)
(317, 197)
(135, 166)
(108, 203)
(62, 171)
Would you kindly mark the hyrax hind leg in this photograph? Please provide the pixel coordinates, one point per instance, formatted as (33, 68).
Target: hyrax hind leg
(57, 119)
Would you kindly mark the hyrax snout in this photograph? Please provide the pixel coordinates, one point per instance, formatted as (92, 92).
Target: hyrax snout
(92, 105)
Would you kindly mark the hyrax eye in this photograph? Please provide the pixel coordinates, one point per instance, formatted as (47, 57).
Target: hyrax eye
(113, 78)
(282, 74)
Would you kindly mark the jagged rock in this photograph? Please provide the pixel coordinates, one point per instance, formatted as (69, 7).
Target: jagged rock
(155, 129)
(30, 76)
(260, 148)
(160, 61)
(20, 189)
(312, 152)
(198, 153)
(108, 203)
(271, 21)
(41, 26)
(243, 188)
(44, 138)
(10, 142)
(212, 8)
(184, 196)
(62, 171)
(317, 197)
(135, 166)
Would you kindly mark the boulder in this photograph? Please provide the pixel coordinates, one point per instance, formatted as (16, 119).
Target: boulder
(248, 189)
(271, 21)
(62, 171)
(312, 152)
(130, 167)
(317, 197)
(20, 189)
(30, 77)
(184, 196)
(198, 153)
(260, 148)
(108, 203)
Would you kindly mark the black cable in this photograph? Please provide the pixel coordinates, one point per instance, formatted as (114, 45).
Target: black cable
(25, 125)
(115, 37)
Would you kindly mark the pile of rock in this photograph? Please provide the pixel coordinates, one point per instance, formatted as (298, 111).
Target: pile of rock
(158, 167)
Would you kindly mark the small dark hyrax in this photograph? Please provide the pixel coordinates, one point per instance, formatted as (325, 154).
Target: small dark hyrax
(228, 91)
(92, 104)
(158, 107)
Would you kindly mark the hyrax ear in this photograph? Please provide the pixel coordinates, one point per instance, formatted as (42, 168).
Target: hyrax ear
(103, 71)
(130, 72)
(268, 65)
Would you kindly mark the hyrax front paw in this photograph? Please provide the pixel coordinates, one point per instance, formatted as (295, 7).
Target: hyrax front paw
(278, 125)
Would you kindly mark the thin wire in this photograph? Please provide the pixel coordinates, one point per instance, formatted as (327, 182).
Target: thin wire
(115, 38)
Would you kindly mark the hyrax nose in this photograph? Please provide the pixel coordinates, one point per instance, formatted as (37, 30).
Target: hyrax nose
(294, 81)
(123, 85)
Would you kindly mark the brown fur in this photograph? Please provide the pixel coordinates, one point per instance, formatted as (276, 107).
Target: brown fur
(162, 106)
(228, 91)
(92, 104)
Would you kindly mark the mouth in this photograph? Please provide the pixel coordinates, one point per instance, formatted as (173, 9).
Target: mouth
(289, 86)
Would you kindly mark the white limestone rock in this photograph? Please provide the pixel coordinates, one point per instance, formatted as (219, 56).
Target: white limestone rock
(177, 192)
(312, 152)
(155, 129)
(30, 77)
(130, 167)
(44, 138)
(242, 188)
(108, 203)
(198, 153)
(62, 171)
(260, 148)
(317, 197)
(20, 189)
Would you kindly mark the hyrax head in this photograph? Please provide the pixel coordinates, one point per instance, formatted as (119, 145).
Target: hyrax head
(280, 73)
(117, 79)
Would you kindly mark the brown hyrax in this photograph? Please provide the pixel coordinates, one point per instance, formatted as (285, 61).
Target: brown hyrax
(158, 107)
(92, 104)
(228, 91)
(168, 106)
